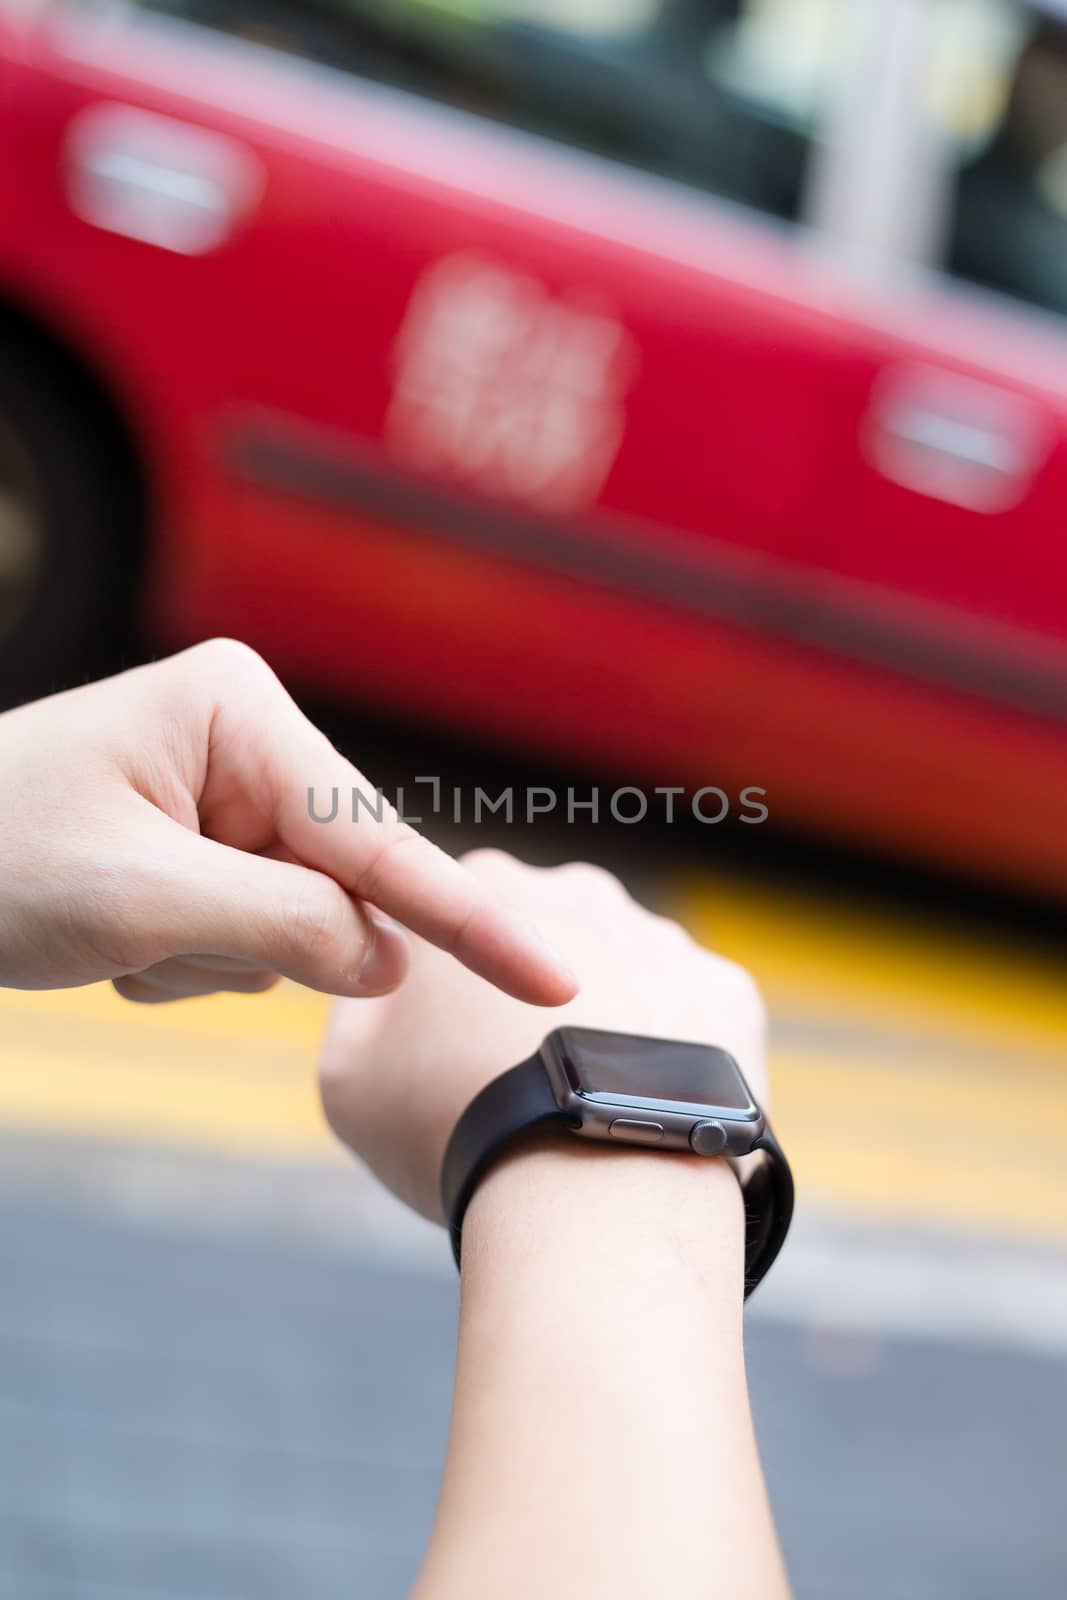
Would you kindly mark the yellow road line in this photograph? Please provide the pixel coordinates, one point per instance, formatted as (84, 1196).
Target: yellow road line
(287, 1014)
(817, 959)
(233, 1073)
(938, 1089)
(948, 1055)
(884, 1161)
(897, 1143)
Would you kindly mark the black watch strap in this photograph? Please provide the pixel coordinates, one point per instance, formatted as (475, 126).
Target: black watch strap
(518, 1100)
(521, 1099)
(769, 1195)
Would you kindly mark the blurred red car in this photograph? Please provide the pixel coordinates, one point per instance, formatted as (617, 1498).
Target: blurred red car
(677, 383)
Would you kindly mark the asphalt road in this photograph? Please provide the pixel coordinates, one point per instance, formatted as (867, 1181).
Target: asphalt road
(225, 1355)
(196, 1412)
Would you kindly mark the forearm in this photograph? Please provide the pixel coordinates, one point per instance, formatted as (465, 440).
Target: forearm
(601, 1439)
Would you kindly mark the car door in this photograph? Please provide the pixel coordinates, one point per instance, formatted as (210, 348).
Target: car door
(947, 535)
(962, 462)
(653, 313)
(488, 366)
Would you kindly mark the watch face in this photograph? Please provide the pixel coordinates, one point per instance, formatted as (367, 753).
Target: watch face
(621, 1069)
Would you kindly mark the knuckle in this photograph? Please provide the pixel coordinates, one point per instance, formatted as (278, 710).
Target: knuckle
(591, 878)
(230, 657)
(318, 918)
(670, 928)
(743, 988)
(335, 1089)
(394, 836)
(244, 983)
(487, 862)
(138, 990)
(114, 915)
(333, 1092)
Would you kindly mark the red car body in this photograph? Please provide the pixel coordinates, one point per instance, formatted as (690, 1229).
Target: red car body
(751, 571)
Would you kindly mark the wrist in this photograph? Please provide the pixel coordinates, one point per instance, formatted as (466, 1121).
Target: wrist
(598, 1214)
(600, 1366)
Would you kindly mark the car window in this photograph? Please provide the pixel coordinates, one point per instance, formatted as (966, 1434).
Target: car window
(724, 95)
(1007, 122)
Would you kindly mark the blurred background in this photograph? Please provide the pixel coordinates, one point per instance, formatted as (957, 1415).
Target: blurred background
(660, 393)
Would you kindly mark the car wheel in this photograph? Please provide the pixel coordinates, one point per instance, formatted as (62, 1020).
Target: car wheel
(66, 546)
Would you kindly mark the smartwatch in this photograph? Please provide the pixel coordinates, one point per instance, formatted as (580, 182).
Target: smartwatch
(624, 1089)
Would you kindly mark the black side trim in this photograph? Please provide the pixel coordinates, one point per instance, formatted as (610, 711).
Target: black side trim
(682, 571)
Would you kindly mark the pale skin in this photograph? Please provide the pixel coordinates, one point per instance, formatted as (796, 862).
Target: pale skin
(601, 1441)
(155, 833)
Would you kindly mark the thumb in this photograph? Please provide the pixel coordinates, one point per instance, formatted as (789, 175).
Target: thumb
(210, 899)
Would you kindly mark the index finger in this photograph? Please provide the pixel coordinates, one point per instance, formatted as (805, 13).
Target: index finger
(282, 758)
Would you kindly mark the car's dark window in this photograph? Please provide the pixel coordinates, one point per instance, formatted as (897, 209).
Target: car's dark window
(720, 94)
(1009, 223)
